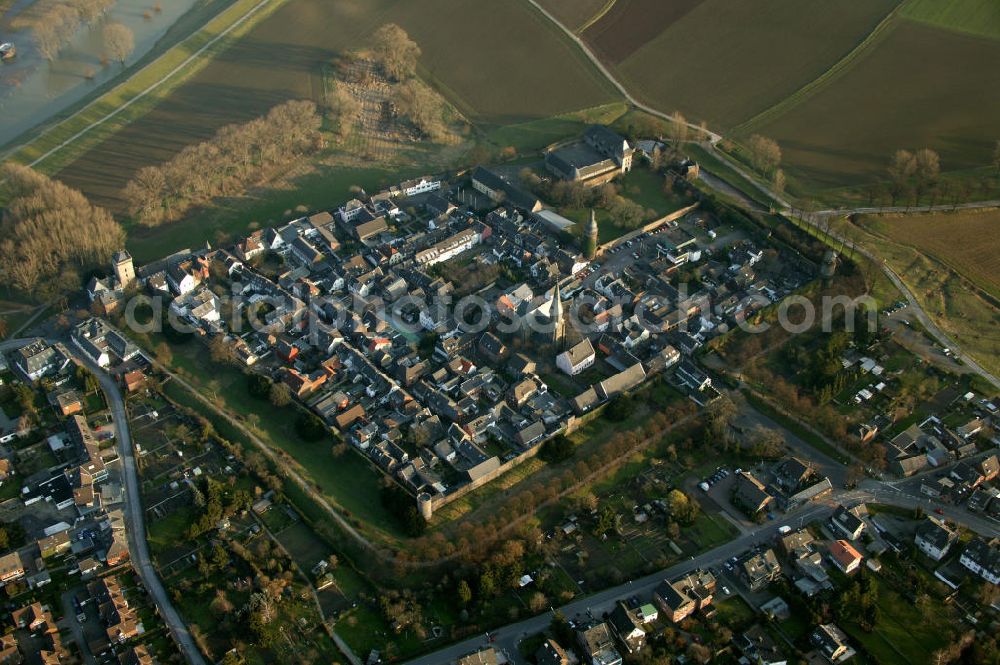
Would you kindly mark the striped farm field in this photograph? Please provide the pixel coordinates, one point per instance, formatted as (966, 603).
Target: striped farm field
(629, 24)
(498, 62)
(968, 242)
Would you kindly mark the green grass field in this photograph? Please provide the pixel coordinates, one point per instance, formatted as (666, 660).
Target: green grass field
(320, 188)
(348, 481)
(727, 60)
(977, 17)
(844, 133)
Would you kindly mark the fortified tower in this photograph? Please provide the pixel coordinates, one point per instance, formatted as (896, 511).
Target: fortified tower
(590, 246)
(124, 270)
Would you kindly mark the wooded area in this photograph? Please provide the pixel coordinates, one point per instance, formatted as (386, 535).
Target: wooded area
(51, 233)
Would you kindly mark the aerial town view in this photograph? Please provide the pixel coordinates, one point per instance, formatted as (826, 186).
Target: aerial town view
(500, 332)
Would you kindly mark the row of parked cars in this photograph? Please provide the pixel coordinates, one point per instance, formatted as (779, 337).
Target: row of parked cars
(720, 474)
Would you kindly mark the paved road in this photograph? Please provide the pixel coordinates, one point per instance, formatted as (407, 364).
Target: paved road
(932, 328)
(134, 513)
(507, 638)
(135, 519)
(733, 190)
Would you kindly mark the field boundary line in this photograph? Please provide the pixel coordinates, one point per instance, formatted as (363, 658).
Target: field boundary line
(713, 137)
(837, 70)
(140, 95)
(596, 17)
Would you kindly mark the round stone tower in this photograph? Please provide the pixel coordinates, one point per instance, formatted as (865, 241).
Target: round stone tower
(425, 505)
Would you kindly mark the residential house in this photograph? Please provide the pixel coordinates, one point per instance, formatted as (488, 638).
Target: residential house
(11, 567)
(487, 656)
(627, 626)
(831, 641)
(749, 494)
(982, 557)
(550, 653)
(760, 570)
(102, 343)
(934, 538)
(679, 598)
(597, 645)
(576, 359)
(758, 647)
(844, 556)
(37, 359)
(621, 382)
(847, 522)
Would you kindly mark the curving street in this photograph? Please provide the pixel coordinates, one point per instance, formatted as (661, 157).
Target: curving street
(133, 509)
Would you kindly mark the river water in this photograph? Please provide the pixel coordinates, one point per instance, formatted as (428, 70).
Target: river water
(32, 90)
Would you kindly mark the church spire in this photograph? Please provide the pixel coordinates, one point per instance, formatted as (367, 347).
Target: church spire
(556, 315)
(590, 244)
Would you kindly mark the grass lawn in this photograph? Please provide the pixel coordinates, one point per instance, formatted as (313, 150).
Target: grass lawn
(533, 135)
(607, 230)
(347, 481)
(977, 17)
(315, 190)
(647, 189)
(165, 532)
(900, 634)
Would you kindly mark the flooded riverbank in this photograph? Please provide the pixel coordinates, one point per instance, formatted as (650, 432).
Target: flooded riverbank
(33, 90)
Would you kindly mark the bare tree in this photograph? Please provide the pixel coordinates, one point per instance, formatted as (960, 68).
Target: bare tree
(779, 182)
(927, 169)
(50, 232)
(423, 108)
(679, 132)
(765, 154)
(902, 167)
(395, 52)
(119, 41)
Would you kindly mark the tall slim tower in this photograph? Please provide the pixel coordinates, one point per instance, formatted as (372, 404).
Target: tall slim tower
(557, 318)
(590, 246)
(124, 270)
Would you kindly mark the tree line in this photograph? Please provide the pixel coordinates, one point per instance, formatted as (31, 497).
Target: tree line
(237, 157)
(51, 233)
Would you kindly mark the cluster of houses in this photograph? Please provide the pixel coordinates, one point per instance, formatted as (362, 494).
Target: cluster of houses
(931, 444)
(343, 299)
(33, 634)
(787, 485)
(848, 540)
(87, 531)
